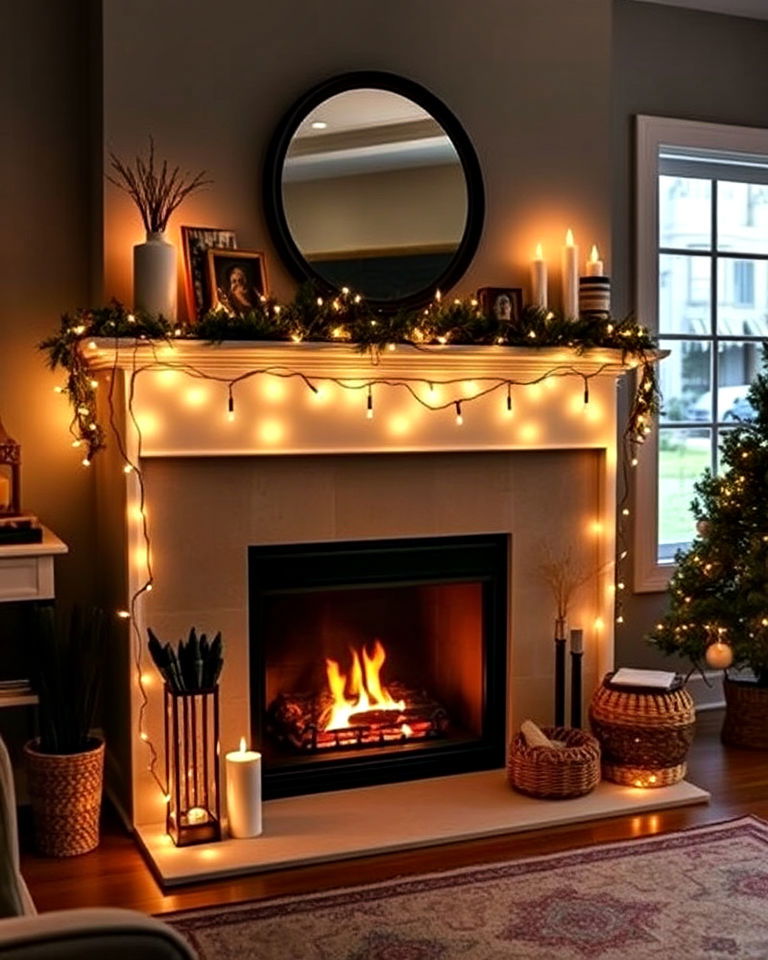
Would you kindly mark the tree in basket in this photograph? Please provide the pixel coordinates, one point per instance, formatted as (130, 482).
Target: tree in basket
(719, 596)
(66, 763)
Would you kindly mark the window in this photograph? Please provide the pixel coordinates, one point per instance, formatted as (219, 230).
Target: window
(703, 286)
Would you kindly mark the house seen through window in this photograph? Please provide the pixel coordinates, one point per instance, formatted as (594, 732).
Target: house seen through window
(712, 315)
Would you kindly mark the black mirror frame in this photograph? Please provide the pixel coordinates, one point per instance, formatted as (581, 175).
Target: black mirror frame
(378, 80)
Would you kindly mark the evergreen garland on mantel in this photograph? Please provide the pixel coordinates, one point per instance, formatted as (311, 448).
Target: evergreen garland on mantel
(347, 318)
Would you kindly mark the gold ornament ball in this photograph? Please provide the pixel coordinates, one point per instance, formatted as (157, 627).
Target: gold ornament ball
(719, 656)
(703, 528)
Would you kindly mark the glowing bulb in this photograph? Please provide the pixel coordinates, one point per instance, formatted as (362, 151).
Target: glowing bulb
(369, 408)
(58, 389)
(77, 443)
(123, 614)
(85, 462)
(127, 468)
(319, 125)
(459, 417)
(144, 736)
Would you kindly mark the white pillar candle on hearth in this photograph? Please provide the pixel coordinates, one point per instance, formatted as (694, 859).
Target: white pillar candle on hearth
(539, 279)
(242, 774)
(570, 276)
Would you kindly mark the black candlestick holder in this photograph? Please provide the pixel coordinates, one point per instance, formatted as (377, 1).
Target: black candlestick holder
(576, 684)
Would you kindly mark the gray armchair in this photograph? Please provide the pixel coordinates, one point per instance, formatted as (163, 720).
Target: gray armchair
(88, 934)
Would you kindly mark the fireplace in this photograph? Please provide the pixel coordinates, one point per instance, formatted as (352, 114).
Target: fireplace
(375, 661)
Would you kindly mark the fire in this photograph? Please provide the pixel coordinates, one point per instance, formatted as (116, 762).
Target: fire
(359, 690)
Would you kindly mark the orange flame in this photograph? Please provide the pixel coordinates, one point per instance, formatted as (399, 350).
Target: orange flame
(359, 690)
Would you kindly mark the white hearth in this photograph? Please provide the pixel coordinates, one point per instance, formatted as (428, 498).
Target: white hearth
(301, 463)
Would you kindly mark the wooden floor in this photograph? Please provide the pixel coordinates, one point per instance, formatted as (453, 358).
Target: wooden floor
(116, 875)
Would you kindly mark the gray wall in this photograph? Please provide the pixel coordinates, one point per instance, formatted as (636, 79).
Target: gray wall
(45, 166)
(529, 80)
(675, 63)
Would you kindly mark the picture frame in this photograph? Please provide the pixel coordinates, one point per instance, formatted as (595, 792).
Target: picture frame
(196, 242)
(503, 303)
(237, 279)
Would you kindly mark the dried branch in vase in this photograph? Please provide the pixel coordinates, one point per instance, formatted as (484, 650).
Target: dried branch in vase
(157, 193)
(563, 574)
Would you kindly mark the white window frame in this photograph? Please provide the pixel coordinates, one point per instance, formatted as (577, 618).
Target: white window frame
(652, 133)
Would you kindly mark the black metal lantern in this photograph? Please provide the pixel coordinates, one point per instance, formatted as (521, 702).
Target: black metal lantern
(10, 475)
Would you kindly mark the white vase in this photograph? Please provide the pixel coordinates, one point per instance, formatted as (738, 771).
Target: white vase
(154, 276)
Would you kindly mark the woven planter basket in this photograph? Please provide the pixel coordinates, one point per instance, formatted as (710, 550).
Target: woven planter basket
(551, 774)
(746, 715)
(65, 792)
(645, 735)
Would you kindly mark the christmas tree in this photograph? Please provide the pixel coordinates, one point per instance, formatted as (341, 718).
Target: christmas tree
(719, 594)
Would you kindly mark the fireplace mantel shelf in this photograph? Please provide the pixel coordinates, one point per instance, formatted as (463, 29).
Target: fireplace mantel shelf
(338, 360)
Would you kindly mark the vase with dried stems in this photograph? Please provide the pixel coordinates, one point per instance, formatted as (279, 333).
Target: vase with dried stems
(157, 190)
(563, 574)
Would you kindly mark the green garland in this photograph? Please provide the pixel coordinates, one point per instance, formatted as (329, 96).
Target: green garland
(346, 317)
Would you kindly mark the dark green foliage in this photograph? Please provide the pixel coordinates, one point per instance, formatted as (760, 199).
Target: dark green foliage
(68, 664)
(345, 317)
(193, 666)
(721, 584)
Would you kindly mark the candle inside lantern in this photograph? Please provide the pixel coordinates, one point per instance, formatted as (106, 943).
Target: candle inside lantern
(197, 815)
(539, 279)
(5, 494)
(595, 267)
(243, 778)
(570, 276)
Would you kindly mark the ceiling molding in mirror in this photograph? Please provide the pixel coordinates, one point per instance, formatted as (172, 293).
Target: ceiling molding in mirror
(371, 182)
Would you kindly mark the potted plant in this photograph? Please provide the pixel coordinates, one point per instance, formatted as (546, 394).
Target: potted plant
(66, 762)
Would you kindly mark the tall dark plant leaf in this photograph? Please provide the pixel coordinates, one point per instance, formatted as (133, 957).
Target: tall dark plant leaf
(68, 667)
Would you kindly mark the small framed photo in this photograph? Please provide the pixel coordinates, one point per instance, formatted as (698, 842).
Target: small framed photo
(503, 303)
(237, 280)
(196, 242)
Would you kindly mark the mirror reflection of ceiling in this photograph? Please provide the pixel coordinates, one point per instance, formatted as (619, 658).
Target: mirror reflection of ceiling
(374, 193)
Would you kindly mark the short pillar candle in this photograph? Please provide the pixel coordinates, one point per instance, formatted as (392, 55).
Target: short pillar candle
(243, 781)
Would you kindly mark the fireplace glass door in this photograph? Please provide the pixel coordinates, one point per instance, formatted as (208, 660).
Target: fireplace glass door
(375, 661)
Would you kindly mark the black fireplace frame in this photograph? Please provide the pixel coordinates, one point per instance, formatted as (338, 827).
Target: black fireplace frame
(302, 567)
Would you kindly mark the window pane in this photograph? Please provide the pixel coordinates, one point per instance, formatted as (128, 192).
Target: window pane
(737, 366)
(685, 213)
(685, 294)
(683, 455)
(685, 378)
(742, 297)
(742, 217)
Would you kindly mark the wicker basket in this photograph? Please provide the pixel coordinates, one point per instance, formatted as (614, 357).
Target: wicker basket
(552, 774)
(644, 734)
(746, 715)
(65, 792)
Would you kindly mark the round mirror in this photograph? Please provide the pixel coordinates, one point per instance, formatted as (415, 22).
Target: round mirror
(371, 183)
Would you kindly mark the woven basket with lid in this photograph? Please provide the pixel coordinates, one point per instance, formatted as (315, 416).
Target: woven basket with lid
(644, 734)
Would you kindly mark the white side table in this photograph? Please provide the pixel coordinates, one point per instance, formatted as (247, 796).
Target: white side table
(26, 573)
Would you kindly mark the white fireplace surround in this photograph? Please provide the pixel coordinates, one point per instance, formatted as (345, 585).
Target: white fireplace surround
(297, 465)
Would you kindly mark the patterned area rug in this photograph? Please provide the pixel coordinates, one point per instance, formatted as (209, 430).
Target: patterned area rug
(700, 893)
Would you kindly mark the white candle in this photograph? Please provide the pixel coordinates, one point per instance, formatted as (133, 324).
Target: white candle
(243, 779)
(539, 279)
(570, 277)
(595, 266)
(577, 641)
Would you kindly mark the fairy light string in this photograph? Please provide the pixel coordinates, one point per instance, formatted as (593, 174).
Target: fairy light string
(343, 318)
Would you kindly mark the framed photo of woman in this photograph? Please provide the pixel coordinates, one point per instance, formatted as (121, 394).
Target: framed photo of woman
(237, 280)
(195, 242)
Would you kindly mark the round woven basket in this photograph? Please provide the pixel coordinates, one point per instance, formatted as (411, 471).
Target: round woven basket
(746, 715)
(65, 793)
(555, 774)
(645, 735)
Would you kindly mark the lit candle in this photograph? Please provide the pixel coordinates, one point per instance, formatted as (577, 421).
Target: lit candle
(595, 266)
(5, 494)
(539, 279)
(197, 815)
(570, 276)
(719, 655)
(243, 778)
